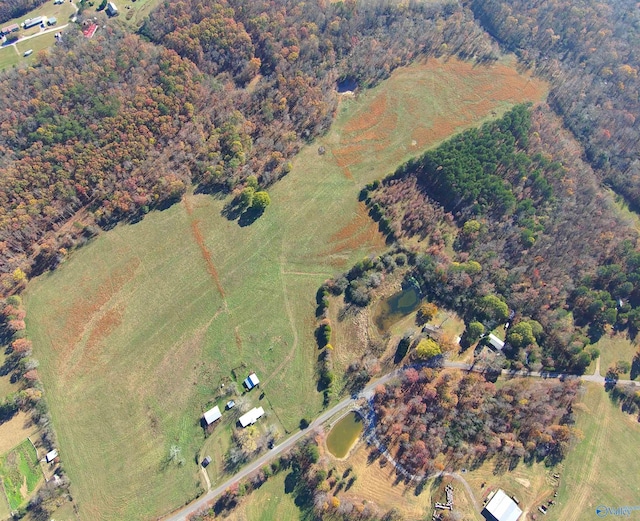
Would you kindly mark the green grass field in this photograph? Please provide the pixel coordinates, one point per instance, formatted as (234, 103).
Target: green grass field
(37, 44)
(8, 57)
(615, 348)
(603, 468)
(20, 473)
(136, 331)
(268, 503)
(138, 11)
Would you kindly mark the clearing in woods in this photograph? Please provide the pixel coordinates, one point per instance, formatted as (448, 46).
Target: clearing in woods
(136, 331)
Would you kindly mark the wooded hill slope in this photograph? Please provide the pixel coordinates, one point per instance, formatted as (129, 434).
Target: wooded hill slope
(104, 129)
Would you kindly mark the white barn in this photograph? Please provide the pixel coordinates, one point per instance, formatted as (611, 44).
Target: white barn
(251, 417)
(501, 508)
(212, 415)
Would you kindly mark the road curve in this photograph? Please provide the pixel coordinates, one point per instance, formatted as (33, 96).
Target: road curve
(367, 392)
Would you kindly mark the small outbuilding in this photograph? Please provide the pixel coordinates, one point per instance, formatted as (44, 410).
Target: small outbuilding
(52, 20)
(231, 404)
(112, 10)
(206, 461)
(251, 417)
(501, 508)
(10, 29)
(251, 381)
(496, 342)
(212, 415)
(51, 456)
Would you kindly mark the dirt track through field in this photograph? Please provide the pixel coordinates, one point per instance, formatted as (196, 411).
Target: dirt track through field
(206, 254)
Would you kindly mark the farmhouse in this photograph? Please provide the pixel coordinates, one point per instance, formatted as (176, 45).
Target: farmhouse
(501, 508)
(496, 342)
(251, 417)
(251, 381)
(51, 456)
(112, 10)
(212, 415)
(10, 29)
(32, 22)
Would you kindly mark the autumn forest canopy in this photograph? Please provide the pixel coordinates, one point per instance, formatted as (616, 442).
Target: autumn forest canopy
(105, 129)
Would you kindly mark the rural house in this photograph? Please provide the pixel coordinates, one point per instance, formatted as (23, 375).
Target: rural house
(212, 415)
(112, 10)
(10, 29)
(501, 508)
(251, 381)
(251, 417)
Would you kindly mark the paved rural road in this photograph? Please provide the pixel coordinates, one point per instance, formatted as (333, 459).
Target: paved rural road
(367, 392)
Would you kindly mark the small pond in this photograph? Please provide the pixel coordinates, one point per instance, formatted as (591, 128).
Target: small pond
(392, 309)
(347, 85)
(344, 434)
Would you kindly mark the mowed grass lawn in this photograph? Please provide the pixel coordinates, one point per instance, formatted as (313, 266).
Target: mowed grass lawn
(8, 57)
(603, 468)
(614, 349)
(137, 330)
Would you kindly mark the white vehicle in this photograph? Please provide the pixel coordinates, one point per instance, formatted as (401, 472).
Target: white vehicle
(28, 53)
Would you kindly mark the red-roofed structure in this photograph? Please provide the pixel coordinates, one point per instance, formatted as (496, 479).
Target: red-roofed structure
(90, 31)
(10, 28)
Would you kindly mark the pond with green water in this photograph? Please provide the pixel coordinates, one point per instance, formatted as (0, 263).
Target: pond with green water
(397, 306)
(344, 434)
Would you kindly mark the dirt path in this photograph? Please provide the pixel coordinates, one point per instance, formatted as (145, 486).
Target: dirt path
(206, 254)
(289, 309)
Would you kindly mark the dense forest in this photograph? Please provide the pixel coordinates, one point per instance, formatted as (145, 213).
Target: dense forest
(438, 418)
(589, 50)
(105, 129)
(517, 247)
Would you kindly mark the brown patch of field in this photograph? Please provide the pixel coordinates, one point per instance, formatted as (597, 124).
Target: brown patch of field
(85, 309)
(360, 231)
(369, 116)
(105, 326)
(206, 254)
(377, 484)
(472, 93)
(236, 332)
(16, 430)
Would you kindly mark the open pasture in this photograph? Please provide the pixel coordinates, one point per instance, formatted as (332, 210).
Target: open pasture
(137, 330)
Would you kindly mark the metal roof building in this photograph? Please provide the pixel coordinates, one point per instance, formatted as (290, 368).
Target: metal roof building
(251, 381)
(251, 417)
(501, 508)
(212, 415)
(51, 455)
(496, 342)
